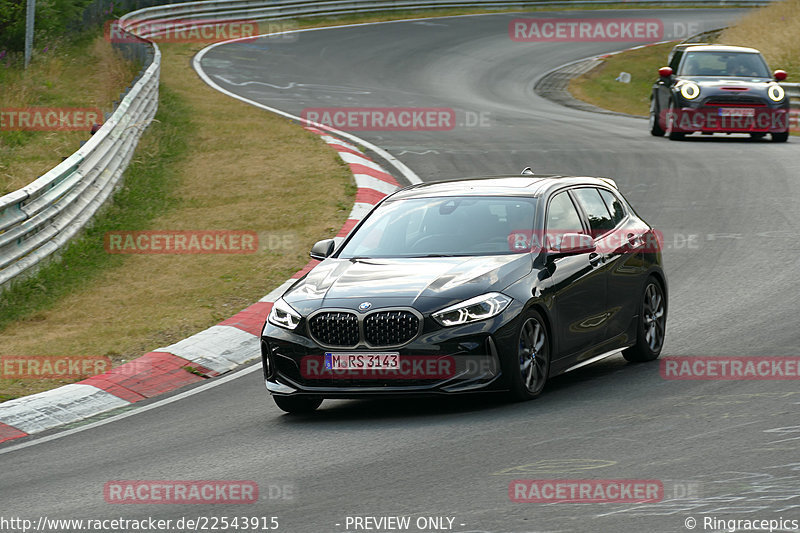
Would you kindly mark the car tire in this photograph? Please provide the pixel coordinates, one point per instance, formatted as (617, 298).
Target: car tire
(297, 405)
(781, 137)
(529, 357)
(673, 135)
(655, 127)
(651, 324)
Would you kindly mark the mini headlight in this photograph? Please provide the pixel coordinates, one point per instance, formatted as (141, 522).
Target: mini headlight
(690, 90)
(283, 315)
(472, 310)
(776, 92)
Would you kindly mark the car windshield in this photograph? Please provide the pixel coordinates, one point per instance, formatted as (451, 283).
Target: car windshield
(743, 64)
(436, 227)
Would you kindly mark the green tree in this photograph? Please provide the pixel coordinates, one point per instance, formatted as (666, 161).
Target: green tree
(12, 25)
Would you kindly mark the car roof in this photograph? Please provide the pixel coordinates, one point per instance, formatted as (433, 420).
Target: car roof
(702, 47)
(504, 185)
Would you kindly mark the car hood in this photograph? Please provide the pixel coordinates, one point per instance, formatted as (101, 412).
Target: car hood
(720, 83)
(422, 283)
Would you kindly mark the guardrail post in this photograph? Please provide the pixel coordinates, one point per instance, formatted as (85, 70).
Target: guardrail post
(29, 20)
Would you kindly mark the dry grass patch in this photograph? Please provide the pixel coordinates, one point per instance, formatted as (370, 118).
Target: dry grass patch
(773, 30)
(245, 169)
(89, 73)
(599, 86)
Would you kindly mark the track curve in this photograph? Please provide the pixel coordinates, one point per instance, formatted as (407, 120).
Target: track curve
(731, 294)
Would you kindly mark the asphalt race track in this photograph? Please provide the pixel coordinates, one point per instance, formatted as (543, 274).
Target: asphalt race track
(727, 207)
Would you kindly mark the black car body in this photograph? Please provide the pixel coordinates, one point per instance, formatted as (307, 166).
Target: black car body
(718, 89)
(455, 279)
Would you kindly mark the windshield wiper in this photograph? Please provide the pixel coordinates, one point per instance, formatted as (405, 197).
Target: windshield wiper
(365, 258)
(434, 255)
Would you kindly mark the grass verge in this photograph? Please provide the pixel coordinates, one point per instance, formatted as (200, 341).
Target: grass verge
(209, 162)
(86, 72)
(599, 86)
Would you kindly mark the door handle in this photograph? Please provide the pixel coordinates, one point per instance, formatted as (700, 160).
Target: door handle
(594, 258)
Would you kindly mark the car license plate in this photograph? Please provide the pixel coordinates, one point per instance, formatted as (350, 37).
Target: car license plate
(737, 112)
(362, 360)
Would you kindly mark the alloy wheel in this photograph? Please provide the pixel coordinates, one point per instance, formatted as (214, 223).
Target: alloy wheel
(533, 355)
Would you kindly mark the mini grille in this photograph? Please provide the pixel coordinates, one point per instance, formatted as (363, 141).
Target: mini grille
(335, 328)
(389, 328)
(733, 99)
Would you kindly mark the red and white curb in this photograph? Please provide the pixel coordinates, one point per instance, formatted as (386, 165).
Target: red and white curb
(217, 350)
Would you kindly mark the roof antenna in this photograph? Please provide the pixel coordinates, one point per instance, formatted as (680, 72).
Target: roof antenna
(527, 170)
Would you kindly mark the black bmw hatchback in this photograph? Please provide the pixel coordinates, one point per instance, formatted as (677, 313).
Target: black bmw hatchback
(481, 284)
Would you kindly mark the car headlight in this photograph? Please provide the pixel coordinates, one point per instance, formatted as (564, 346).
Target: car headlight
(690, 90)
(776, 92)
(283, 315)
(472, 310)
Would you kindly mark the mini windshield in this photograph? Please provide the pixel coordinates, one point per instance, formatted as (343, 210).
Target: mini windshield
(451, 226)
(742, 64)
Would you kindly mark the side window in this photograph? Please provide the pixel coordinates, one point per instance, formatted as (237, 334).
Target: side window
(675, 60)
(594, 207)
(562, 217)
(614, 206)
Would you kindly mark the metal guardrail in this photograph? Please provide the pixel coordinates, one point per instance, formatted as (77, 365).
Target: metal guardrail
(226, 10)
(39, 219)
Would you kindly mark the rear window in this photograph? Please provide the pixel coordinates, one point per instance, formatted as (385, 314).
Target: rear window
(595, 208)
(614, 206)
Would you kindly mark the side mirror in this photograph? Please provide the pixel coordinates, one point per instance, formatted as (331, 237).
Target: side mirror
(665, 72)
(780, 75)
(322, 249)
(573, 244)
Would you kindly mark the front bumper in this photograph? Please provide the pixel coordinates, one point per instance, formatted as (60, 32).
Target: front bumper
(729, 118)
(461, 359)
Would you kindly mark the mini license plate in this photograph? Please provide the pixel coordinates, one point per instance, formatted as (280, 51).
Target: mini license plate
(737, 112)
(361, 360)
